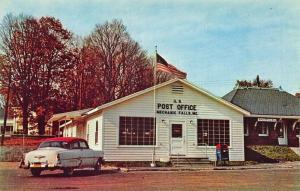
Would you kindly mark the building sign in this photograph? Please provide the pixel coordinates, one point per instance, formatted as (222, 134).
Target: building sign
(177, 107)
(266, 120)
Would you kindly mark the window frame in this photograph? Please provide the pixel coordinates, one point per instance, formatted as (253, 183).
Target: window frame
(97, 132)
(86, 144)
(144, 130)
(246, 134)
(213, 146)
(261, 133)
(297, 129)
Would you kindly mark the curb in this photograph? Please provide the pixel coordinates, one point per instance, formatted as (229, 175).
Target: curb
(200, 169)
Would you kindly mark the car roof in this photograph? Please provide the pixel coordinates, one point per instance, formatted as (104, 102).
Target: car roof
(65, 139)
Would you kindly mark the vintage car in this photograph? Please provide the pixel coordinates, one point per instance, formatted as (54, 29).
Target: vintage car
(65, 153)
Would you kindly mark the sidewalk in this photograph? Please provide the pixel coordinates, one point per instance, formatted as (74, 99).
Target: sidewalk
(283, 165)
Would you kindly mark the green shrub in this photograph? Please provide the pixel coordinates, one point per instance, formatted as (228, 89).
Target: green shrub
(281, 153)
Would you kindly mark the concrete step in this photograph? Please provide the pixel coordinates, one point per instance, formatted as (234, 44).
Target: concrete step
(190, 162)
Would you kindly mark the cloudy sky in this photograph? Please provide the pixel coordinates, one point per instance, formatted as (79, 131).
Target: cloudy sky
(216, 42)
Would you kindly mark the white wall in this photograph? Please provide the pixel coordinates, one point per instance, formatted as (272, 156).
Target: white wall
(142, 106)
(91, 129)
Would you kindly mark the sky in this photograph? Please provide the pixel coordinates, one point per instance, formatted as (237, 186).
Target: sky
(215, 42)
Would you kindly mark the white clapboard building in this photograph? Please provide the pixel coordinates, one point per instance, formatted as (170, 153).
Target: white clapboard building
(189, 123)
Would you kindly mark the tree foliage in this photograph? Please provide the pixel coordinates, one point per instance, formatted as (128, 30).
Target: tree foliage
(110, 65)
(257, 82)
(51, 71)
(36, 51)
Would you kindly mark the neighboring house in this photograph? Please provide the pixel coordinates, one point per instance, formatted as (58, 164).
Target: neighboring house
(10, 123)
(70, 123)
(175, 118)
(275, 115)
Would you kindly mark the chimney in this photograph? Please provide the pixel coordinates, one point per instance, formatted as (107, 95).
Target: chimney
(297, 95)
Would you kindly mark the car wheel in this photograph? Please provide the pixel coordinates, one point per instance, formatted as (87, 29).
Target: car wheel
(68, 171)
(97, 168)
(35, 172)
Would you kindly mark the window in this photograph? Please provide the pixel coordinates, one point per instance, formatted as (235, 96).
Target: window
(212, 132)
(54, 144)
(7, 128)
(96, 133)
(263, 129)
(88, 133)
(176, 130)
(297, 129)
(136, 131)
(83, 145)
(74, 145)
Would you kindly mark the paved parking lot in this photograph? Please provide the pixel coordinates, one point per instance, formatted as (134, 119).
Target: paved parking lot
(12, 178)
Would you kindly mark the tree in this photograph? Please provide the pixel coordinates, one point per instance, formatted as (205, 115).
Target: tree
(37, 53)
(257, 82)
(110, 65)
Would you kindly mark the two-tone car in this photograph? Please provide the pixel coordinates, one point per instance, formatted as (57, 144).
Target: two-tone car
(64, 153)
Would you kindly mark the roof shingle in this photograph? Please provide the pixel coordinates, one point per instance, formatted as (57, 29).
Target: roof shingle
(263, 101)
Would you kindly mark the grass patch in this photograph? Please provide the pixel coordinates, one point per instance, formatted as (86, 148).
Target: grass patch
(280, 153)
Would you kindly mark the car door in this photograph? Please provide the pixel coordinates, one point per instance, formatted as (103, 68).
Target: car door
(88, 155)
(74, 155)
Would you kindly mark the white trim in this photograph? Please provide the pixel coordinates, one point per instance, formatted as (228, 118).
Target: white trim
(184, 136)
(275, 116)
(210, 146)
(226, 103)
(137, 146)
(264, 134)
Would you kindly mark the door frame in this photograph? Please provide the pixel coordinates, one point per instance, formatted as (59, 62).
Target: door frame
(284, 140)
(184, 136)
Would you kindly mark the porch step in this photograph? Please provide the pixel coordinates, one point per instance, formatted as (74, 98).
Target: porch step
(190, 161)
(296, 150)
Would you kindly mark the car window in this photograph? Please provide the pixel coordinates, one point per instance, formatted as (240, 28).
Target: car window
(83, 145)
(75, 145)
(59, 144)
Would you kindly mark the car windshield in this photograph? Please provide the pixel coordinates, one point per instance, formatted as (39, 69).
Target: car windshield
(60, 144)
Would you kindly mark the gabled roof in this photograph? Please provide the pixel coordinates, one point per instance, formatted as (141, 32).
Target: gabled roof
(185, 82)
(69, 115)
(265, 101)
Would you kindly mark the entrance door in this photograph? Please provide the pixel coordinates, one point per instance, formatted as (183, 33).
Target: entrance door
(177, 139)
(282, 135)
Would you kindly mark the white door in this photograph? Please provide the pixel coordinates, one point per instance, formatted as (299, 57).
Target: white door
(282, 135)
(177, 139)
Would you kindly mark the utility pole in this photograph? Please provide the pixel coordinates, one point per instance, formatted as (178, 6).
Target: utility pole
(6, 107)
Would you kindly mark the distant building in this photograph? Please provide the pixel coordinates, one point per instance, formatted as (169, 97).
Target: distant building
(274, 115)
(11, 126)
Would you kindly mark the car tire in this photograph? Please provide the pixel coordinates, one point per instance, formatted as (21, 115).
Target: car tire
(35, 172)
(97, 168)
(68, 171)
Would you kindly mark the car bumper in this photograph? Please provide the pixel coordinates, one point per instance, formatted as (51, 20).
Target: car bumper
(41, 165)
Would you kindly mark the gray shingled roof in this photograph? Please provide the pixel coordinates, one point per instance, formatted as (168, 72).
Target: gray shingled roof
(263, 101)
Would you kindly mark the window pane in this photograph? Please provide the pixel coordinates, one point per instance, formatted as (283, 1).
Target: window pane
(136, 131)
(176, 130)
(212, 132)
(83, 145)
